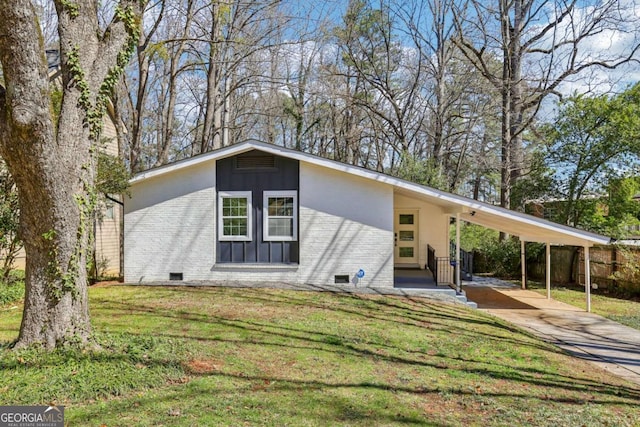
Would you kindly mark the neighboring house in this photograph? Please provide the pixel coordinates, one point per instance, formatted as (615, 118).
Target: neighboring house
(549, 208)
(108, 223)
(260, 212)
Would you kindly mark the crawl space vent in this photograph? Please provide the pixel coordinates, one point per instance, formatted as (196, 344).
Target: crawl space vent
(255, 162)
(175, 276)
(344, 278)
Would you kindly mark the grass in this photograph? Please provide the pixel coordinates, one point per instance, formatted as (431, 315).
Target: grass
(624, 311)
(181, 356)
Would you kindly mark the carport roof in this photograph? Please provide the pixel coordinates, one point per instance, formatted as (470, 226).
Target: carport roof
(526, 227)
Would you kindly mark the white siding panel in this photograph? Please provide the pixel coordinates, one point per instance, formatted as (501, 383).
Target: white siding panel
(346, 224)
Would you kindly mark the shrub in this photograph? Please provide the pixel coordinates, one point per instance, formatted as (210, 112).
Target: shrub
(503, 258)
(500, 258)
(13, 290)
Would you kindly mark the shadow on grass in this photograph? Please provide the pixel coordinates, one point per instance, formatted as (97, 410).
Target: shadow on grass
(613, 292)
(238, 402)
(432, 320)
(318, 401)
(415, 312)
(262, 334)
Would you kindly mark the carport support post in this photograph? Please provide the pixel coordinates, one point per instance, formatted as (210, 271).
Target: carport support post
(523, 262)
(458, 287)
(548, 265)
(587, 277)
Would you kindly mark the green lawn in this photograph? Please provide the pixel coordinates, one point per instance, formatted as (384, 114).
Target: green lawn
(221, 356)
(620, 310)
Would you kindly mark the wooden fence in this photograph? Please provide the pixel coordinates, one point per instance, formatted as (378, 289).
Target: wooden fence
(611, 266)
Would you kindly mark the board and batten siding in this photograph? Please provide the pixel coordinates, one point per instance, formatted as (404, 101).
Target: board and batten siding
(283, 176)
(346, 224)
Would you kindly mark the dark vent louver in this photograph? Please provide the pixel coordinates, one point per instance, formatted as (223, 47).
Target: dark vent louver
(341, 278)
(255, 162)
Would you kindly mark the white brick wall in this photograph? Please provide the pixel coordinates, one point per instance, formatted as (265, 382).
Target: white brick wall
(169, 226)
(346, 224)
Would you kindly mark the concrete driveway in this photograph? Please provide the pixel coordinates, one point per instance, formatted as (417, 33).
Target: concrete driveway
(605, 343)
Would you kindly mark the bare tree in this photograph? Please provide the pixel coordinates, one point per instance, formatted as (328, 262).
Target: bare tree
(236, 33)
(136, 92)
(175, 48)
(541, 45)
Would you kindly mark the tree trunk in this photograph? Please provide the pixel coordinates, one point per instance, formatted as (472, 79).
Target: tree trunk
(175, 68)
(138, 105)
(211, 138)
(53, 166)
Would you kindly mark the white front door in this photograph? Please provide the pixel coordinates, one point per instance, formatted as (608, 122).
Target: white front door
(405, 236)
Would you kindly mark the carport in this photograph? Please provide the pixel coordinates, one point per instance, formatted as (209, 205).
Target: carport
(526, 227)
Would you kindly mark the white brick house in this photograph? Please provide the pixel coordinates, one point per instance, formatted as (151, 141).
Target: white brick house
(255, 211)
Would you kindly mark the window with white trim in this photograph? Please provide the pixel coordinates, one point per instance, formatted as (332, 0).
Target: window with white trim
(280, 216)
(234, 215)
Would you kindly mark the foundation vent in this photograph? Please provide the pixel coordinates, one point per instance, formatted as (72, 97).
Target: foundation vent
(341, 278)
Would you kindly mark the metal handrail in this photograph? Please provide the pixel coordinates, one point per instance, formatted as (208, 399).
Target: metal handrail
(440, 267)
(466, 260)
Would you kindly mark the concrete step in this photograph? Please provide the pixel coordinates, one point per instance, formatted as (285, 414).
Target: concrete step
(462, 297)
(442, 290)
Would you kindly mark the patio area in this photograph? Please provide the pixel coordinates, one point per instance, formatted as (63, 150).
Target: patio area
(414, 278)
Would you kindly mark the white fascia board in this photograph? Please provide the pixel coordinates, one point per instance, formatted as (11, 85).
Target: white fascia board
(186, 163)
(560, 234)
(558, 241)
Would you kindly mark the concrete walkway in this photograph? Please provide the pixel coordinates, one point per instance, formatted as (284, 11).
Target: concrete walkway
(603, 342)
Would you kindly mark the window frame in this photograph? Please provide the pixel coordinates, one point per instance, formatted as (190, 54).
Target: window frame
(266, 195)
(248, 237)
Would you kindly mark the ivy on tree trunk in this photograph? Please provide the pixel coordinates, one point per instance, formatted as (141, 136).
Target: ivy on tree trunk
(51, 155)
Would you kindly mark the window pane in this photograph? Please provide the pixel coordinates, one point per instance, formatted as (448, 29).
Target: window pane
(281, 227)
(280, 206)
(234, 222)
(406, 219)
(406, 252)
(234, 226)
(406, 236)
(280, 216)
(234, 206)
